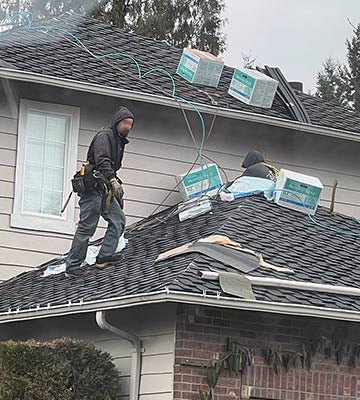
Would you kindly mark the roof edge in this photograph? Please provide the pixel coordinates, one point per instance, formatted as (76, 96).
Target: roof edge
(32, 77)
(178, 297)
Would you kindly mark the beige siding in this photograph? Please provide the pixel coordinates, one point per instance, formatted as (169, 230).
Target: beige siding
(154, 325)
(161, 147)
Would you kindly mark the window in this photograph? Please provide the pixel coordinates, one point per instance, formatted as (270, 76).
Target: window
(46, 160)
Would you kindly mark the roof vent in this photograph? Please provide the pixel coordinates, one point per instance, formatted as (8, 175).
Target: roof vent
(299, 86)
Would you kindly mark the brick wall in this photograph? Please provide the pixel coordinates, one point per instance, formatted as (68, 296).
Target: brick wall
(202, 332)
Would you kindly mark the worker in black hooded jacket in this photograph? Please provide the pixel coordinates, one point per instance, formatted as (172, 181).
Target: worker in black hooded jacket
(257, 167)
(103, 195)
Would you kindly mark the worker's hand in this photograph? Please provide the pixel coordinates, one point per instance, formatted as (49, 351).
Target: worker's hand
(117, 189)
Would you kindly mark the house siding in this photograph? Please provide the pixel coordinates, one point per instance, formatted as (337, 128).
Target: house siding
(154, 325)
(160, 147)
(202, 334)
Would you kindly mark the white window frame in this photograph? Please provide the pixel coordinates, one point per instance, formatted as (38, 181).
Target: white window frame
(50, 223)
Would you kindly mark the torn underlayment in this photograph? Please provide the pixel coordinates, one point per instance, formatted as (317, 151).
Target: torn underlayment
(92, 252)
(248, 186)
(226, 251)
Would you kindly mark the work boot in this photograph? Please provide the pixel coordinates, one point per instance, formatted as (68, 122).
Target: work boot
(76, 272)
(102, 264)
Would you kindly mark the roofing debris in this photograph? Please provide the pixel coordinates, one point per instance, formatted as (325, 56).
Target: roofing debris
(285, 238)
(225, 250)
(233, 239)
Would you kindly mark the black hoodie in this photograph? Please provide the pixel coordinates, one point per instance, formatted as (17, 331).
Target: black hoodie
(253, 163)
(106, 150)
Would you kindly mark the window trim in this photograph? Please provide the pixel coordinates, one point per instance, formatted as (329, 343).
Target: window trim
(27, 220)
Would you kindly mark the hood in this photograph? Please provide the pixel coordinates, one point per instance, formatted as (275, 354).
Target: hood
(252, 157)
(120, 114)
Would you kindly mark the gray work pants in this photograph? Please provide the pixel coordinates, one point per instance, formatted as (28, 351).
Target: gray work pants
(91, 207)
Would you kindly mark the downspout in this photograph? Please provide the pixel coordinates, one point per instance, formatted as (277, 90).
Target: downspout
(136, 354)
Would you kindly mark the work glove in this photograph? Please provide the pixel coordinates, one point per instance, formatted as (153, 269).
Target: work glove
(117, 190)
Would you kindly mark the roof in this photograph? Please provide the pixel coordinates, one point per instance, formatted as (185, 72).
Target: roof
(59, 51)
(286, 238)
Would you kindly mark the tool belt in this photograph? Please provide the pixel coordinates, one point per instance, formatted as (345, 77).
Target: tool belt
(273, 169)
(83, 180)
(88, 179)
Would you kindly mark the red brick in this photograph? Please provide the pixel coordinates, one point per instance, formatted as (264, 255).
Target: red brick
(221, 322)
(193, 378)
(187, 344)
(213, 312)
(207, 355)
(217, 347)
(182, 386)
(325, 381)
(189, 395)
(183, 352)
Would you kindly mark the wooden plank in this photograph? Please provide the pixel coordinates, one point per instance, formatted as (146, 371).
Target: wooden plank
(8, 141)
(6, 205)
(153, 345)
(156, 383)
(9, 98)
(345, 181)
(8, 157)
(158, 363)
(123, 365)
(157, 396)
(7, 271)
(23, 258)
(4, 221)
(138, 176)
(343, 196)
(346, 209)
(8, 125)
(7, 189)
(7, 173)
(124, 385)
(19, 241)
(230, 162)
(150, 195)
(26, 232)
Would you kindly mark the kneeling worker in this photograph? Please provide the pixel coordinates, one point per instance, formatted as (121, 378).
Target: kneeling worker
(257, 167)
(101, 194)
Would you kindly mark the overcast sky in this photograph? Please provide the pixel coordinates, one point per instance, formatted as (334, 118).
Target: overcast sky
(295, 35)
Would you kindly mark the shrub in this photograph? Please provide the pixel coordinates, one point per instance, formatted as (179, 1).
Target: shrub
(62, 369)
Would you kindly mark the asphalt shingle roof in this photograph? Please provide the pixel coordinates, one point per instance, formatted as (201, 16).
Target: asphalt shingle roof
(55, 52)
(285, 238)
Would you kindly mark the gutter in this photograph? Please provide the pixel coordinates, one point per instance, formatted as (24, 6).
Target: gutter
(135, 357)
(32, 77)
(179, 297)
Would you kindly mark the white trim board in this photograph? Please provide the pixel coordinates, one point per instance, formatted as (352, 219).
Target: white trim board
(177, 297)
(170, 102)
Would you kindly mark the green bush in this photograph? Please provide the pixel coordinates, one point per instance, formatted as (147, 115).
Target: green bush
(62, 369)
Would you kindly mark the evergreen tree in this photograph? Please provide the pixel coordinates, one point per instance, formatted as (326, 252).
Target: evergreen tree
(332, 82)
(182, 23)
(353, 58)
(341, 83)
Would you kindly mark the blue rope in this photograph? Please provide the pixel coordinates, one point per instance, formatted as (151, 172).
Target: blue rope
(29, 18)
(314, 221)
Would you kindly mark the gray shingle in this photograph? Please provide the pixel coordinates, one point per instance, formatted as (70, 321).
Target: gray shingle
(56, 53)
(285, 238)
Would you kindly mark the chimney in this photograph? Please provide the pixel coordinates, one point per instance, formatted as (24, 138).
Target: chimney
(297, 86)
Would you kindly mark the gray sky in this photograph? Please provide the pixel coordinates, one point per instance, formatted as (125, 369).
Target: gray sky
(295, 35)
